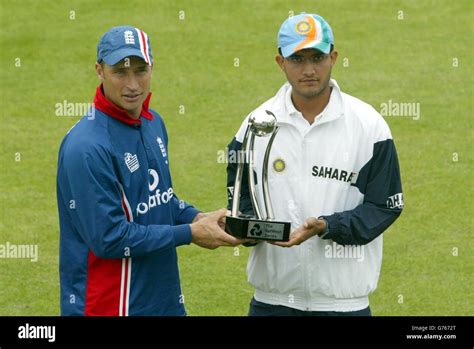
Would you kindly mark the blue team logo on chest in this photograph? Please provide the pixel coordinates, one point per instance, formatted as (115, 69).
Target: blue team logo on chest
(161, 144)
(132, 162)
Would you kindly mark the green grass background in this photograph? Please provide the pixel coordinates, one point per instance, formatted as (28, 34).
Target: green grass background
(409, 60)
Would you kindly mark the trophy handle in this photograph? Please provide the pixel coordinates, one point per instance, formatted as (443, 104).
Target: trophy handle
(252, 189)
(238, 176)
(266, 191)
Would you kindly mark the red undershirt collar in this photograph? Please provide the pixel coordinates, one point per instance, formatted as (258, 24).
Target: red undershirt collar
(105, 106)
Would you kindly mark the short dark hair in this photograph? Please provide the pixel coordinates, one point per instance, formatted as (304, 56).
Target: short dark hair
(332, 49)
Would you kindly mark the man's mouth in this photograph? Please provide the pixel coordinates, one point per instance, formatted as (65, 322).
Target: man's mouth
(132, 97)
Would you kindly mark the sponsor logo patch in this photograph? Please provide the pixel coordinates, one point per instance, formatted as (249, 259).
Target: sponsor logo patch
(334, 173)
(279, 165)
(395, 201)
(156, 196)
(132, 162)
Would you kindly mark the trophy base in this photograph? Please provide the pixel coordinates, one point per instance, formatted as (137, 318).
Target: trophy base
(256, 229)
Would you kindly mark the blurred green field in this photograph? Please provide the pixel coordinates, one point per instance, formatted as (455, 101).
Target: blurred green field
(403, 60)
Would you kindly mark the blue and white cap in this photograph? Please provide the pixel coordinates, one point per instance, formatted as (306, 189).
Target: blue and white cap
(305, 31)
(121, 42)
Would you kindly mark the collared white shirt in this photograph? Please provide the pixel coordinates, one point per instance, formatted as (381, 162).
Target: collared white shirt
(297, 117)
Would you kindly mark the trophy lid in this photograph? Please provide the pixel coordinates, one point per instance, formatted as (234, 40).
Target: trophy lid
(263, 124)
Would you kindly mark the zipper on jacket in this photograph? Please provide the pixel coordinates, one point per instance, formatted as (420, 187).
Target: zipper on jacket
(146, 147)
(307, 294)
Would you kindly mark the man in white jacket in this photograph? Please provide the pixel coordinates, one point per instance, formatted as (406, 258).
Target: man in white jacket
(333, 174)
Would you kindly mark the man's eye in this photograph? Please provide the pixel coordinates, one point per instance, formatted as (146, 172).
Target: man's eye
(120, 72)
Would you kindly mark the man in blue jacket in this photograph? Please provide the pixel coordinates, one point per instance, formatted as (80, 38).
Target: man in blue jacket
(120, 219)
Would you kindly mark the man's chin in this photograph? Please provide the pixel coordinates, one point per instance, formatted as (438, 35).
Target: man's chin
(310, 93)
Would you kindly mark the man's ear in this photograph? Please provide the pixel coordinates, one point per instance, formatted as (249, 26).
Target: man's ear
(333, 55)
(100, 72)
(279, 59)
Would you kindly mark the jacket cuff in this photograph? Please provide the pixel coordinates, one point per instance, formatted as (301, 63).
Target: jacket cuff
(334, 227)
(182, 234)
(188, 215)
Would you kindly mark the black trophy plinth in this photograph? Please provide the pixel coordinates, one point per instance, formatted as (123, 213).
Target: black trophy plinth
(256, 229)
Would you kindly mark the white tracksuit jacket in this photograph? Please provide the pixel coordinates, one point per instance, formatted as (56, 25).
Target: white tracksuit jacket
(343, 167)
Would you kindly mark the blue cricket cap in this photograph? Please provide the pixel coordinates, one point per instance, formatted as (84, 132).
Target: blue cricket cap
(121, 42)
(305, 31)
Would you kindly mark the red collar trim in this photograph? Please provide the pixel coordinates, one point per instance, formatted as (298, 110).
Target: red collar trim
(105, 106)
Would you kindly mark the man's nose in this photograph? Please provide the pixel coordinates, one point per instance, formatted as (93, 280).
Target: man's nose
(132, 82)
(308, 67)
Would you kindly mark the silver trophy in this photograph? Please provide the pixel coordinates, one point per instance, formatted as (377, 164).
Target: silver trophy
(263, 226)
